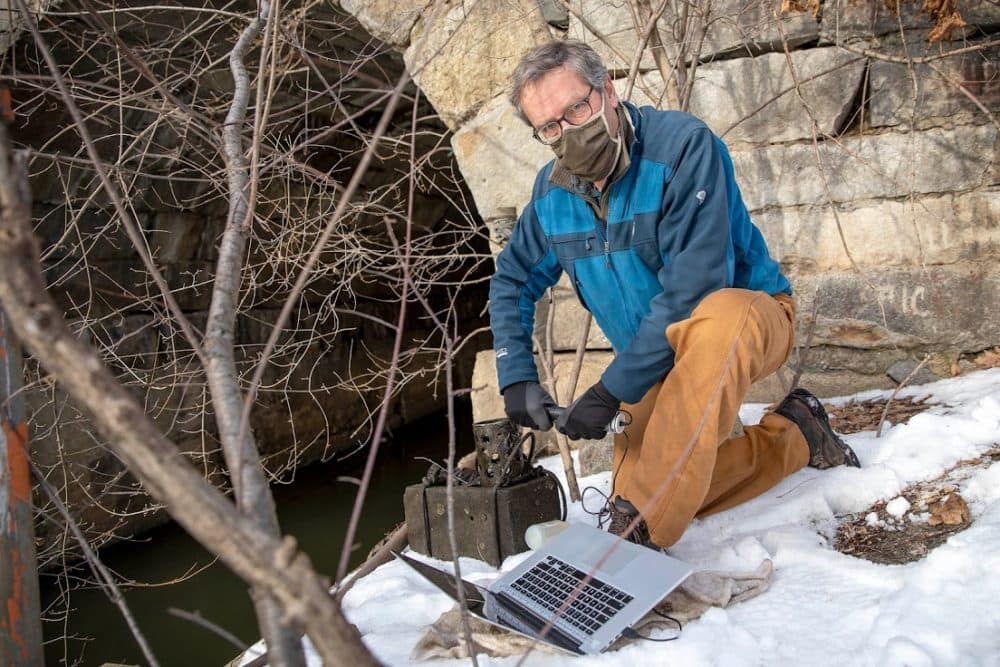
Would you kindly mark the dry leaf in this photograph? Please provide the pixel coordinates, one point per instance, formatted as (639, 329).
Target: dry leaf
(799, 6)
(945, 26)
(933, 6)
(988, 358)
(952, 511)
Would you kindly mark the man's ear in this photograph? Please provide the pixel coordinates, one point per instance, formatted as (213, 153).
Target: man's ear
(610, 92)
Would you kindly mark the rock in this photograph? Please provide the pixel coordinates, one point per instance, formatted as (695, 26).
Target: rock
(568, 321)
(867, 167)
(821, 381)
(854, 333)
(753, 100)
(555, 13)
(733, 26)
(901, 371)
(498, 158)
(847, 20)
(469, 53)
(941, 305)
(590, 372)
(595, 456)
(932, 229)
(11, 23)
(500, 227)
(609, 30)
(939, 98)
(388, 20)
(180, 235)
(487, 403)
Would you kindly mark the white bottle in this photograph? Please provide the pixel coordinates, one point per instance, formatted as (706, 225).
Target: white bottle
(538, 534)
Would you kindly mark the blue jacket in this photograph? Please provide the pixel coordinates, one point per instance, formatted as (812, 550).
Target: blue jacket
(676, 229)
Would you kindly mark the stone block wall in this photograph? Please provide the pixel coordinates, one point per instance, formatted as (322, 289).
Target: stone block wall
(867, 155)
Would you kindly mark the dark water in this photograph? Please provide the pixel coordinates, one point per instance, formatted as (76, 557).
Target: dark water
(315, 509)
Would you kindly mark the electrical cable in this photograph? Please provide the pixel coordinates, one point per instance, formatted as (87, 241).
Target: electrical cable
(632, 633)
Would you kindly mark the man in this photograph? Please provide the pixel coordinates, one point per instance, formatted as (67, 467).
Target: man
(641, 209)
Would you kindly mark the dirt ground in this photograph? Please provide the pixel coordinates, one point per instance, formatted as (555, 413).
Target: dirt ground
(935, 508)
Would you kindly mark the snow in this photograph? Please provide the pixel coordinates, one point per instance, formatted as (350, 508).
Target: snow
(897, 507)
(822, 607)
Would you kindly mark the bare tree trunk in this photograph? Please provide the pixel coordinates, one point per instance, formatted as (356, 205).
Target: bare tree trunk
(250, 487)
(261, 559)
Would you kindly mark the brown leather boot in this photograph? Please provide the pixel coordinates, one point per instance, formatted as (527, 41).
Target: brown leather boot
(826, 449)
(622, 514)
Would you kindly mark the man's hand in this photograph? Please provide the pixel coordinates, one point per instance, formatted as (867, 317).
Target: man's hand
(588, 417)
(526, 404)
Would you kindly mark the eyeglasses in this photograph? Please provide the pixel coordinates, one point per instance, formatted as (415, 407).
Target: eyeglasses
(575, 114)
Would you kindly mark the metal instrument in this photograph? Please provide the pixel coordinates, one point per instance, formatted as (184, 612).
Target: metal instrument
(615, 426)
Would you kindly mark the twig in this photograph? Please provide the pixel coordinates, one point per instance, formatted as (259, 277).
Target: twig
(786, 49)
(111, 588)
(574, 376)
(549, 365)
(646, 35)
(395, 542)
(885, 410)
(803, 356)
(968, 93)
(131, 228)
(122, 421)
(198, 619)
(907, 60)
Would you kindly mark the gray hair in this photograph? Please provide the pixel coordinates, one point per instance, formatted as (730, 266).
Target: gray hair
(541, 60)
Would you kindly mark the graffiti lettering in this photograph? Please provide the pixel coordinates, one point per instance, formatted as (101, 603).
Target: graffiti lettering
(910, 301)
(907, 299)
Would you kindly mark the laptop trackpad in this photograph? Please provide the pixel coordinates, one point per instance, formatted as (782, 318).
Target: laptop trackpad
(613, 562)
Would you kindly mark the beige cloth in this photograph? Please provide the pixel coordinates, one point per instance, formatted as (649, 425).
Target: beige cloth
(699, 592)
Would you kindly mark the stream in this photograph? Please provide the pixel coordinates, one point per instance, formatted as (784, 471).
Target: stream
(176, 572)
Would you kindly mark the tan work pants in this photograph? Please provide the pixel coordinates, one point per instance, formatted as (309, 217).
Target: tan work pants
(677, 460)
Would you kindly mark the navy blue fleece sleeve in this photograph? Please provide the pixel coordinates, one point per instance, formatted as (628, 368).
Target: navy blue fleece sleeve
(694, 239)
(525, 269)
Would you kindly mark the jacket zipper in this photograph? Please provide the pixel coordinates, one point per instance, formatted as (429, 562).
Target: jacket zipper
(598, 205)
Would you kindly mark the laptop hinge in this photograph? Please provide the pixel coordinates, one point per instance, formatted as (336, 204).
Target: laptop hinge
(532, 624)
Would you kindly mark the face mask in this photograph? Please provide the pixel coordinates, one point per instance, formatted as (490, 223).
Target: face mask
(588, 150)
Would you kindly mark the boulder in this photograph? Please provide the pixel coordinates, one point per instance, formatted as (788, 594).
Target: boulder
(594, 457)
(487, 403)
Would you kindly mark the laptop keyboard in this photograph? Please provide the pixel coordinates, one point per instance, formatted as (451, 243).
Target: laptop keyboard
(550, 583)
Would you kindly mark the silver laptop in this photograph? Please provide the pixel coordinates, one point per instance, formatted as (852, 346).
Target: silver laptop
(579, 592)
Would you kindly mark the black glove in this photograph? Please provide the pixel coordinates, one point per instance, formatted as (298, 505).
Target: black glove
(588, 417)
(526, 404)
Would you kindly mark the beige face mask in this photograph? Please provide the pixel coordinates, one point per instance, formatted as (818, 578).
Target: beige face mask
(589, 151)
